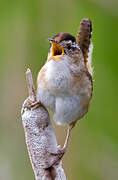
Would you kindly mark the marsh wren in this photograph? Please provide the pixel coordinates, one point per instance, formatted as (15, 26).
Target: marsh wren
(64, 84)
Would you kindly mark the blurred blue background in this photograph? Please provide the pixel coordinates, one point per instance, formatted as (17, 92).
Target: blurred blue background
(25, 27)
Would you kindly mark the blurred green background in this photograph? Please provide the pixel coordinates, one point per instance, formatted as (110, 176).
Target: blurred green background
(25, 27)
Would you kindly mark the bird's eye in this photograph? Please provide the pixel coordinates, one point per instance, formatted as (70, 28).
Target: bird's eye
(69, 46)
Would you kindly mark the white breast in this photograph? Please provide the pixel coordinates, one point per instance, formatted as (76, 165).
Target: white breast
(58, 77)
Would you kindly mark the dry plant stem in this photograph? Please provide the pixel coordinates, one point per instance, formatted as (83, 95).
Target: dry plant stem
(40, 138)
(30, 85)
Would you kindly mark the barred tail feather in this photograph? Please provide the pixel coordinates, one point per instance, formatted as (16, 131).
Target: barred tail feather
(84, 41)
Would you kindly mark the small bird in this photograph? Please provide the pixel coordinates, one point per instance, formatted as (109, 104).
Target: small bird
(64, 84)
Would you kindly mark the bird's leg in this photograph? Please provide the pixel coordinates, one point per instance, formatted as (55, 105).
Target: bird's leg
(61, 151)
(70, 126)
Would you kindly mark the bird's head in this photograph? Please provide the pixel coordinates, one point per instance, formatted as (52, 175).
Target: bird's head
(63, 44)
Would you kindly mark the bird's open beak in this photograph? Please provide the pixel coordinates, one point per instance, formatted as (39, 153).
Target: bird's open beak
(57, 50)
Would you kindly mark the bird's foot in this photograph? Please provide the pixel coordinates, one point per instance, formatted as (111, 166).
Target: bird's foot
(60, 153)
(35, 104)
(57, 156)
(31, 104)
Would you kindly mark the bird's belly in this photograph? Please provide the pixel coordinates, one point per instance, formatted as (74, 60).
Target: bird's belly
(69, 109)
